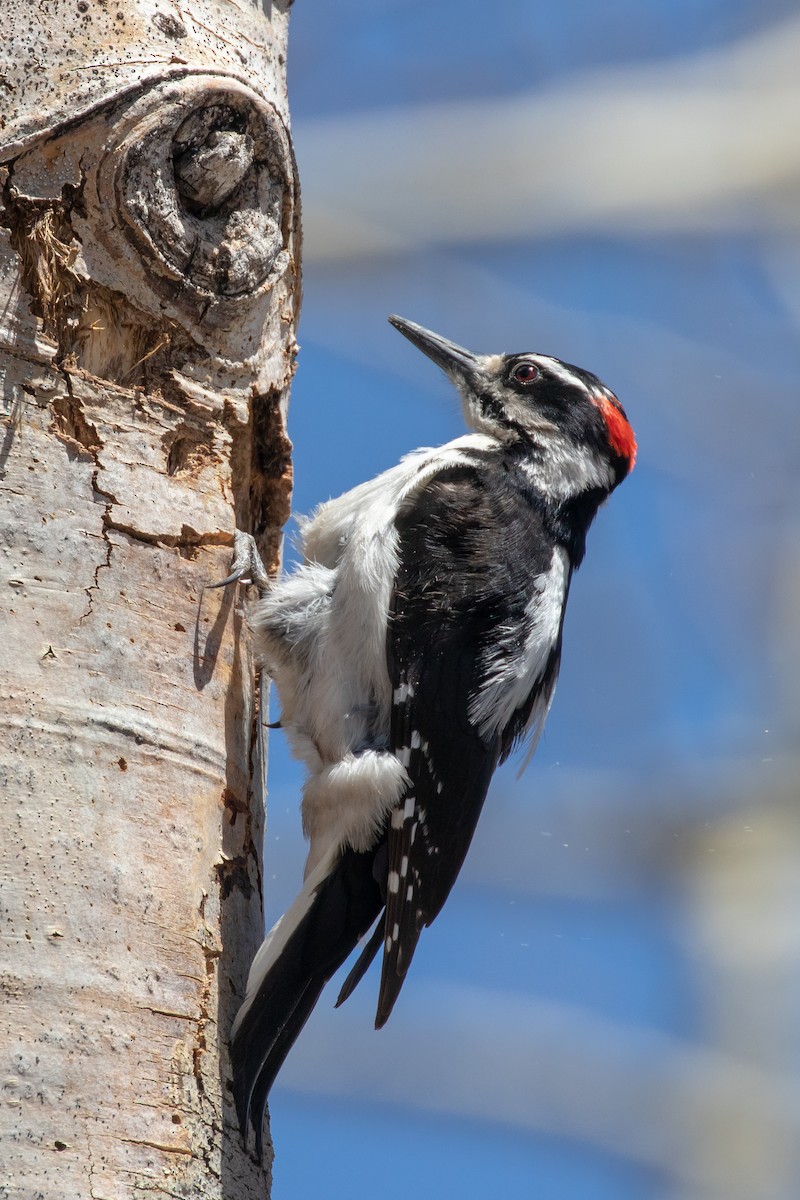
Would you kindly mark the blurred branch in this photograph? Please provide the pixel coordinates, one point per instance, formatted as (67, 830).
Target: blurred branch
(622, 830)
(694, 144)
(562, 1071)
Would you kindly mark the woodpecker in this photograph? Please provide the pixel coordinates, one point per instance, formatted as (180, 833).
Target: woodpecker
(416, 646)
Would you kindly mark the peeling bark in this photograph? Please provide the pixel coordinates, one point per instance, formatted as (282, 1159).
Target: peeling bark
(150, 289)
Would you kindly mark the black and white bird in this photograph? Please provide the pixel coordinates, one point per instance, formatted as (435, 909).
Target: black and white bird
(413, 650)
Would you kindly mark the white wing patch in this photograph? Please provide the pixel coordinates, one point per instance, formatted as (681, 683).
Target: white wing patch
(512, 674)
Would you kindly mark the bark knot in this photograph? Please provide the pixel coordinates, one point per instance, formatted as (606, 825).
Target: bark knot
(206, 188)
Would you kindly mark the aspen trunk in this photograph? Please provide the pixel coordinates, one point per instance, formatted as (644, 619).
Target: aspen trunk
(149, 287)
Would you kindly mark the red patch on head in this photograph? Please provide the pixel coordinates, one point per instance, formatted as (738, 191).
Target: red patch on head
(620, 435)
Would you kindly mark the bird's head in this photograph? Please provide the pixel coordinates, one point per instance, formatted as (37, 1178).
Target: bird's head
(575, 427)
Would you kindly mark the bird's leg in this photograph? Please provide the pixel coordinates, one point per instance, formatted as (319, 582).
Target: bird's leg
(247, 566)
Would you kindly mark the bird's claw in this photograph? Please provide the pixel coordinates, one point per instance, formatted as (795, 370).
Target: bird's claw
(247, 566)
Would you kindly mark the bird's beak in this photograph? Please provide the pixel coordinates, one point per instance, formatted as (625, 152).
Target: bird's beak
(453, 359)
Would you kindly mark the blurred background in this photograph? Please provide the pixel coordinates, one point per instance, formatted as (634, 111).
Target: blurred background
(609, 1006)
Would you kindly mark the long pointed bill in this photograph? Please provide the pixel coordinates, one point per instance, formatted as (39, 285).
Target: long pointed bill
(447, 355)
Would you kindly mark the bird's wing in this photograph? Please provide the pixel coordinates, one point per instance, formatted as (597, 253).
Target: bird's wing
(462, 619)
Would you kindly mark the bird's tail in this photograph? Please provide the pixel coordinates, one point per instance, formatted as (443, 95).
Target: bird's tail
(339, 901)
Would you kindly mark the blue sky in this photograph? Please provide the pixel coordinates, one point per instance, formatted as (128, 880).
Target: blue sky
(614, 893)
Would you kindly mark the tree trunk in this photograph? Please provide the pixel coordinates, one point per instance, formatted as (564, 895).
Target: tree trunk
(150, 286)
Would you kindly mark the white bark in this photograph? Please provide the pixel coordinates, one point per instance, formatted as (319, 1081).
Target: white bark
(148, 299)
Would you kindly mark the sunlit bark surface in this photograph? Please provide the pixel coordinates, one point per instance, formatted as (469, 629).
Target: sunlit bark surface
(149, 284)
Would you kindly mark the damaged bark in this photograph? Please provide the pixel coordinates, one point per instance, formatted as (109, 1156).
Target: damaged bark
(150, 288)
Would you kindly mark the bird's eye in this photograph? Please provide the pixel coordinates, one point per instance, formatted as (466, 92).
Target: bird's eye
(525, 372)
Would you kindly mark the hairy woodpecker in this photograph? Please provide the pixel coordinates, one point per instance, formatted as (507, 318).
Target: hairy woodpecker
(416, 646)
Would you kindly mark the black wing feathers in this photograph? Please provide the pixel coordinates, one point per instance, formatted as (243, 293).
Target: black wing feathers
(456, 585)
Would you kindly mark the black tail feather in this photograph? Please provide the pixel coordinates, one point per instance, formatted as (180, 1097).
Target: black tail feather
(363, 961)
(280, 1048)
(342, 909)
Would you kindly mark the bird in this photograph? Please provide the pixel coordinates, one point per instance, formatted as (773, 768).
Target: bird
(416, 646)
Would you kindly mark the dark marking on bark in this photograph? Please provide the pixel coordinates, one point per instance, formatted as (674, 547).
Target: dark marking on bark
(189, 448)
(233, 873)
(41, 233)
(92, 326)
(271, 475)
(70, 425)
(234, 804)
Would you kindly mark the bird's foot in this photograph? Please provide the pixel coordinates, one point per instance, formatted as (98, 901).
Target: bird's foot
(247, 566)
